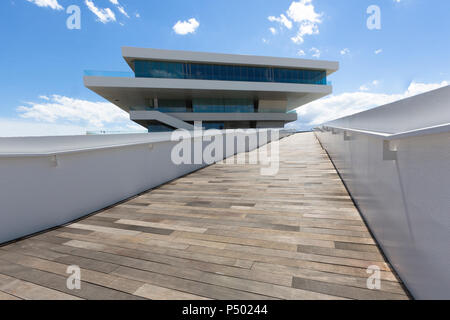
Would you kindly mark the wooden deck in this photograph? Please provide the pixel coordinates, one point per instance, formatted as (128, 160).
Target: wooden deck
(224, 232)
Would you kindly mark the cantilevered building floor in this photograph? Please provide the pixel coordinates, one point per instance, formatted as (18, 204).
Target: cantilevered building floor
(175, 89)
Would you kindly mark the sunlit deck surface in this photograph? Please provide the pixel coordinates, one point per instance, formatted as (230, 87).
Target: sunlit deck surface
(224, 232)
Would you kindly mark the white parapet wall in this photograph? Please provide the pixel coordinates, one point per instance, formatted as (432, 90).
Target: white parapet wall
(395, 161)
(49, 181)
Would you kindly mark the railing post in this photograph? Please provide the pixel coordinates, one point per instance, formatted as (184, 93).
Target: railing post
(388, 154)
(54, 161)
(347, 137)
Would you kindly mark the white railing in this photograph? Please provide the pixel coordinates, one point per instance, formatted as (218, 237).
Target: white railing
(393, 136)
(395, 162)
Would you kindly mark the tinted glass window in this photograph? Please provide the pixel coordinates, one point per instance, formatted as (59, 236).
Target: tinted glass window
(174, 70)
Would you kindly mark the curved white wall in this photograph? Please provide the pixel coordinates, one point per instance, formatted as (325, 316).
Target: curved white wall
(406, 202)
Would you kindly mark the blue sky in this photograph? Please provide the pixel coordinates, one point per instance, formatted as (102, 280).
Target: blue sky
(42, 61)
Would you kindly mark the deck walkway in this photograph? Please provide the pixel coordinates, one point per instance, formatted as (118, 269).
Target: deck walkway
(224, 232)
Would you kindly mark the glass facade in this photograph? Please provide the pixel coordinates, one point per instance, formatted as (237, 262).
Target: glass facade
(172, 105)
(141, 108)
(223, 105)
(198, 71)
(159, 127)
(213, 125)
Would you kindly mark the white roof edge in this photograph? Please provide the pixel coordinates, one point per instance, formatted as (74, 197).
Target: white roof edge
(133, 53)
(190, 84)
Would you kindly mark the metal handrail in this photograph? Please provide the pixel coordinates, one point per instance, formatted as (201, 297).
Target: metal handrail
(395, 136)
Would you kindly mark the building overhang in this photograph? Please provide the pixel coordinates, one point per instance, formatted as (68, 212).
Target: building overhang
(204, 116)
(131, 54)
(132, 92)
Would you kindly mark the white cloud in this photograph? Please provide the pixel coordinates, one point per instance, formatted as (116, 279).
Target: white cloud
(119, 7)
(186, 27)
(24, 128)
(60, 109)
(53, 4)
(60, 115)
(282, 19)
(304, 15)
(122, 10)
(315, 52)
(345, 51)
(367, 86)
(378, 51)
(273, 30)
(306, 28)
(301, 53)
(364, 88)
(341, 105)
(417, 87)
(303, 10)
(104, 15)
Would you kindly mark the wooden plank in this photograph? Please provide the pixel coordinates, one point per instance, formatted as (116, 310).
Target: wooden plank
(161, 243)
(58, 283)
(179, 271)
(213, 266)
(233, 240)
(160, 225)
(346, 270)
(345, 291)
(360, 255)
(356, 246)
(94, 277)
(153, 292)
(125, 227)
(271, 237)
(89, 241)
(5, 296)
(117, 230)
(189, 286)
(336, 278)
(16, 289)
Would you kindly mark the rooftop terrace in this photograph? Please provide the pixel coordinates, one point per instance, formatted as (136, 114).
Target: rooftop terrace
(223, 232)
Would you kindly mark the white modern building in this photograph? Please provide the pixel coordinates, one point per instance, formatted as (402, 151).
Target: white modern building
(174, 89)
